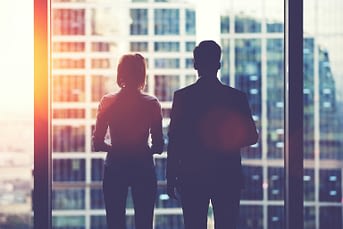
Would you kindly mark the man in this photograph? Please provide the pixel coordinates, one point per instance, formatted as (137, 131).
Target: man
(210, 123)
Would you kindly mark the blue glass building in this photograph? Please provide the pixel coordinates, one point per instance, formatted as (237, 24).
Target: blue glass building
(85, 49)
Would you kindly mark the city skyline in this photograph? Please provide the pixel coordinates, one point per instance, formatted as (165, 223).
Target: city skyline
(252, 61)
(17, 48)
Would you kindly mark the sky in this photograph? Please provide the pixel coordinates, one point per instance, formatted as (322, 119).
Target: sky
(16, 59)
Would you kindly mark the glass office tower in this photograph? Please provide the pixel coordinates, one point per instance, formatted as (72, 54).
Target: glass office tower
(87, 39)
(89, 36)
(253, 61)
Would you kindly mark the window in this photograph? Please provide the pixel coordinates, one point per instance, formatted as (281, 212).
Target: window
(165, 85)
(167, 22)
(323, 112)
(139, 25)
(257, 41)
(166, 46)
(68, 21)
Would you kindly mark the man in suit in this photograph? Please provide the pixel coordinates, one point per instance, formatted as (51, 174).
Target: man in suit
(210, 123)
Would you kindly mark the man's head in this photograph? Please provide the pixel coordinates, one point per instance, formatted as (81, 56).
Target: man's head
(207, 57)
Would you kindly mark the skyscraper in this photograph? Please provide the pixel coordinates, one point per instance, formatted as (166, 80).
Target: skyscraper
(253, 61)
(85, 49)
(87, 39)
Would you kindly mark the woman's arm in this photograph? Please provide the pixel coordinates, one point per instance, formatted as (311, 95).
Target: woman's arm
(156, 129)
(101, 128)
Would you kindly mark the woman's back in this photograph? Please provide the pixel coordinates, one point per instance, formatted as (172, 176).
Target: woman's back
(130, 116)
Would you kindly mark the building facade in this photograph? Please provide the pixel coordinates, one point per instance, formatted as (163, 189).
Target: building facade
(88, 37)
(253, 61)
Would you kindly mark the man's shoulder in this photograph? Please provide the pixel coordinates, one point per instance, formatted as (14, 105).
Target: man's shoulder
(221, 88)
(233, 91)
(185, 90)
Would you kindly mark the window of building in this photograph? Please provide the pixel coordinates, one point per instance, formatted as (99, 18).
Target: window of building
(253, 61)
(167, 21)
(139, 24)
(163, 46)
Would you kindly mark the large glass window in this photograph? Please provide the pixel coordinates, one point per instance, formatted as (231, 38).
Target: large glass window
(165, 32)
(323, 143)
(88, 36)
(253, 61)
(16, 114)
(84, 70)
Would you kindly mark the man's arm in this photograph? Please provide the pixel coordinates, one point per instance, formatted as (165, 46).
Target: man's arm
(173, 147)
(249, 128)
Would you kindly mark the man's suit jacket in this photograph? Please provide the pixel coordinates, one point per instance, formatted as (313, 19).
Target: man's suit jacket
(209, 124)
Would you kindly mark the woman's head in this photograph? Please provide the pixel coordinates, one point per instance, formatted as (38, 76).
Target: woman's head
(131, 71)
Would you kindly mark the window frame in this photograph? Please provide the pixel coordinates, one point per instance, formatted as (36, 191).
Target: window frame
(293, 121)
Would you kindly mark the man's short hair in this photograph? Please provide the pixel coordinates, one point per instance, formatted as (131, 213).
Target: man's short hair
(207, 55)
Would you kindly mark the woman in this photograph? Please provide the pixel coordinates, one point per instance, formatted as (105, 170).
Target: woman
(132, 117)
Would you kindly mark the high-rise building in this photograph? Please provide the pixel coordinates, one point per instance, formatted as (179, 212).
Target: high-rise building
(88, 37)
(253, 61)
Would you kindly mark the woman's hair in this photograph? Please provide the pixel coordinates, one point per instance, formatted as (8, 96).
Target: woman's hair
(131, 71)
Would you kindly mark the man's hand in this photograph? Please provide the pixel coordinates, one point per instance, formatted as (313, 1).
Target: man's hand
(171, 189)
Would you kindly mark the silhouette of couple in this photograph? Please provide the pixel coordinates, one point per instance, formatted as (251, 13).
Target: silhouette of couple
(209, 124)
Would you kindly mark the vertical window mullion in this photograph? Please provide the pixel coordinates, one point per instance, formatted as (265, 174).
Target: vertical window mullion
(294, 114)
(41, 173)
